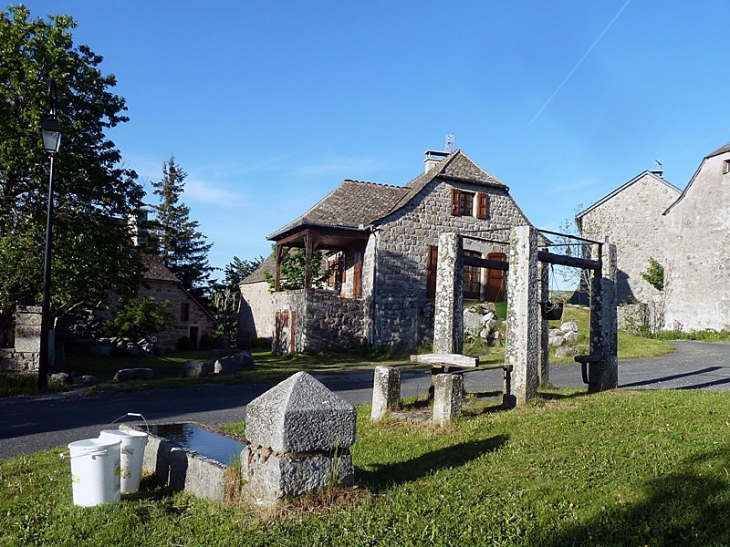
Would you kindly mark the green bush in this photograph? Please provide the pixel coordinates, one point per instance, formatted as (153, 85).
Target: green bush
(139, 318)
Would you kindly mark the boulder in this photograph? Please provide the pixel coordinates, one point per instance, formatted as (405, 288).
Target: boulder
(60, 378)
(569, 326)
(127, 374)
(194, 369)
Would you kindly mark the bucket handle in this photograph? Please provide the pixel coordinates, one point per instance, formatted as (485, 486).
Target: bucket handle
(136, 415)
(97, 452)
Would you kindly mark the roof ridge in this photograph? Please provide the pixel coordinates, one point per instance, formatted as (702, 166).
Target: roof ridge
(372, 183)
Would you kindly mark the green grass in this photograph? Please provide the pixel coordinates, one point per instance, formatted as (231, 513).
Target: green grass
(616, 468)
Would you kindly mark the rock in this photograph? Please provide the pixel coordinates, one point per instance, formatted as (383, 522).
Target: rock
(233, 363)
(569, 326)
(194, 369)
(566, 351)
(472, 321)
(60, 378)
(88, 380)
(570, 337)
(127, 374)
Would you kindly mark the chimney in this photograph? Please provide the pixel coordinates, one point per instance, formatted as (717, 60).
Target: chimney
(432, 158)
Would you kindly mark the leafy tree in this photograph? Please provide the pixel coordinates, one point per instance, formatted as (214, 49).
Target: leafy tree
(226, 298)
(139, 318)
(293, 269)
(175, 237)
(94, 195)
(238, 270)
(654, 274)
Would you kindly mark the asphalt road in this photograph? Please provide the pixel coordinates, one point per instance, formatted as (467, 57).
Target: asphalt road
(30, 424)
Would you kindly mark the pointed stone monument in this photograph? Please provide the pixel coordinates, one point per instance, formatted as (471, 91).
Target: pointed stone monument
(298, 435)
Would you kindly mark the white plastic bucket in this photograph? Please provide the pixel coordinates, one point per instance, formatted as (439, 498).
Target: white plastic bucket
(95, 471)
(132, 455)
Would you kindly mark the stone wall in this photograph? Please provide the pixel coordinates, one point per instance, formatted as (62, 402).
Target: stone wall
(697, 277)
(24, 356)
(176, 296)
(632, 219)
(256, 318)
(319, 320)
(401, 312)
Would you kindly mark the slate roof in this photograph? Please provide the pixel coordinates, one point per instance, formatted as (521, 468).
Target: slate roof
(719, 151)
(355, 205)
(155, 269)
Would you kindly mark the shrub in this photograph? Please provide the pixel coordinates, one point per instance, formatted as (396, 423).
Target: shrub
(139, 318)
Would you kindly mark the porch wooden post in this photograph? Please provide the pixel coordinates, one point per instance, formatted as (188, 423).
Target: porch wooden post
(308, 244)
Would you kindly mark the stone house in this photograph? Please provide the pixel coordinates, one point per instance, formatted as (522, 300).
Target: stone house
(382, 247)
(697, 274)
(687, 232)
(632, 217)
(192, 319)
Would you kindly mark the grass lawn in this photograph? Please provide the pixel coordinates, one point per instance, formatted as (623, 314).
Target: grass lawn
(616, 468)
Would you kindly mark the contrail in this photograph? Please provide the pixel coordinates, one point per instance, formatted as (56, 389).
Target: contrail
(605, 30)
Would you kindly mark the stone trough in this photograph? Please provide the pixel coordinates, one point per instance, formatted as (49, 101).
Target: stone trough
(182, 468)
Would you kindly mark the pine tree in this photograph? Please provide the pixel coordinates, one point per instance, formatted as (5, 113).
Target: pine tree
(175, 237)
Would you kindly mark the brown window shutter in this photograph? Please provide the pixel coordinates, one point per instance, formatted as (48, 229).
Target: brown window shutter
(431, 265)
(482, 206)
(344, 267)
(455, 199)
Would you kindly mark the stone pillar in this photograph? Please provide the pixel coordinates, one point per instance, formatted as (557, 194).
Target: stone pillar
(298, 435)
(523, 315)
(447, 397)
(448, 334)
(543, 369)
(386, 391)
(603, 374)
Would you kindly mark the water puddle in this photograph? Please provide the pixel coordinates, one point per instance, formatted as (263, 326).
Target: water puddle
(206, 443)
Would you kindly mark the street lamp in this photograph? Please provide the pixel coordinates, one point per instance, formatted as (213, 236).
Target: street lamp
(51, 132)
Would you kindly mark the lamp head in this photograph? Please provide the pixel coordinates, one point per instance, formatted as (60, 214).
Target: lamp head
(51, 132)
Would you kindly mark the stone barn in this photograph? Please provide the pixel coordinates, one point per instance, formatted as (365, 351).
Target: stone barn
(381, 243)
(687, 232)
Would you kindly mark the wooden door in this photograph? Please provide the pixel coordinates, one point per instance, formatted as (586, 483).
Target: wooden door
(495, 280)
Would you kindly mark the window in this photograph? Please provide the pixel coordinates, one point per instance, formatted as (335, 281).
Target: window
(184, 311)
(466, 204)
(726, 167)
(463, 204)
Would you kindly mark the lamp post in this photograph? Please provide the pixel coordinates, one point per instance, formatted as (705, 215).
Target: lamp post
(51, 132)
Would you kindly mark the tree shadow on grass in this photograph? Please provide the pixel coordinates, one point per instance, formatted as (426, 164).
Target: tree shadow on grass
(682, 508)
(387, 475)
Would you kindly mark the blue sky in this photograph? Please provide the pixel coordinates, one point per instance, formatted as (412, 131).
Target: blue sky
(269, 105)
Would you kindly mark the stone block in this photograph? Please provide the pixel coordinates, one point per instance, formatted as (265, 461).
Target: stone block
(447, 397)
(271, 476)
(300, 415)
(386, 391)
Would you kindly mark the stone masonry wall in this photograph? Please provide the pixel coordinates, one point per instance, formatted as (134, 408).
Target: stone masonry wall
(256, 319)
(163, 290)
(633, 221)
(401, 313)
(24, 356)
(323, 321)
(697, 277)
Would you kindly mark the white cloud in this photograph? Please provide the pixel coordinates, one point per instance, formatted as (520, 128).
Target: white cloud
(212, 194)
